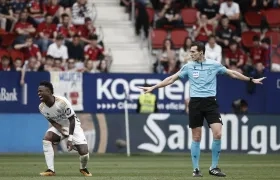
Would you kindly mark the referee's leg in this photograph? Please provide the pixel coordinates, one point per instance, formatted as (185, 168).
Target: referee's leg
(195, 123)
(215, 123)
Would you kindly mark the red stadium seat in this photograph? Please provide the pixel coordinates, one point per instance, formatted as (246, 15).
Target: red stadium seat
(275, 59)
(189, 16)
(157, 38)
(178, 37)
(8, 39)
(4, 52)
(151, 14)
(253, 19)
(16, 54)
(274, 37)
(273, 17)
(247, 38)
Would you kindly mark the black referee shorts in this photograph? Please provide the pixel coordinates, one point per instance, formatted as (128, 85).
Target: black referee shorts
(200, 108)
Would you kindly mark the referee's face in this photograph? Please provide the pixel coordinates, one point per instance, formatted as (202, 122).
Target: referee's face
(195, 55)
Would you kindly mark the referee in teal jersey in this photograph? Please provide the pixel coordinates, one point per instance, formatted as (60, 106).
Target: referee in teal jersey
(202, 74)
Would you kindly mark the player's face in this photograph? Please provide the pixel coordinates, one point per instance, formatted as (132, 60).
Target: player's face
(43, 93)
(195, 55)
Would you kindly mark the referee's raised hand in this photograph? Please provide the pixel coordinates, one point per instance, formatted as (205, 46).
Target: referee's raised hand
(258, 81)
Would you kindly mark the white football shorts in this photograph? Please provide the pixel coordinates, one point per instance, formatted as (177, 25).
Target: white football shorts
(78, 136)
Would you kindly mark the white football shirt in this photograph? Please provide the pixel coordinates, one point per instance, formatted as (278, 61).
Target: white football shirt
(59, 112)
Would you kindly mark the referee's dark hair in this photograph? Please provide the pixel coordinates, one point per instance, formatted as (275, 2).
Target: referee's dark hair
(47, 84)
(200, 46)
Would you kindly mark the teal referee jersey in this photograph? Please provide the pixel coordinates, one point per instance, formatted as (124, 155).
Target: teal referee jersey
(202, 77)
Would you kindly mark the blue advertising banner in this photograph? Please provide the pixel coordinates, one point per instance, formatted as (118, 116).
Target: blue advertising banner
(106, 93)
(155, 133)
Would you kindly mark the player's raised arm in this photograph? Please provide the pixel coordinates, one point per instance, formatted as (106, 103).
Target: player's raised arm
(238, 75)
(167, 81)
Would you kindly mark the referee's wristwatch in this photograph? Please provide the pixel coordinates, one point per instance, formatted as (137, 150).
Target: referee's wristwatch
(251, 79)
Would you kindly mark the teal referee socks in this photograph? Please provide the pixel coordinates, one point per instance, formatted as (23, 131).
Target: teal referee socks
(195, 153)
(216, 149)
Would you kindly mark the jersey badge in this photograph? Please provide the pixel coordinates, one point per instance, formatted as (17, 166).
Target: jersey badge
(195, 74)
(68, 111)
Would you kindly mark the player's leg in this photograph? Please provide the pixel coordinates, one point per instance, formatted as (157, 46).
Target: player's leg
(214, 120)
(80, 143)
(50, 137)
(195, 123)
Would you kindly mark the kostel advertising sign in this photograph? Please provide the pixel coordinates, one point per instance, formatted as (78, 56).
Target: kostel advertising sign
(112, 90)
(159, 133)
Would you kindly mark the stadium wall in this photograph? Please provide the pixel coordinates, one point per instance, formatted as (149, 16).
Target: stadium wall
(105, 93)
(156, 133)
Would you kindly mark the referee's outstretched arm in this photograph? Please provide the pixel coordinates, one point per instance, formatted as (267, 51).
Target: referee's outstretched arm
(167, 81)
(237, 75)
(171, 79)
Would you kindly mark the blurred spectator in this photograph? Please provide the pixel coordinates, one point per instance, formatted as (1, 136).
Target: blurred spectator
(256, 52)
(52, 8)
(23, 28)
(75, 49)
(102, 67)
(172, 67)
(17, 6)
(47, 32)
(225, 33)
(234, 58)
(276, 3)
(164, 55)
(266, 53)
(184, 53)
(67, 29)
(90, 67)
(232, 11)
(66, 6)
(93, 51)
(87, 30)
(142, 20)
(211, 10)
(36, 10)
(81, 10)
(213, 50)
(6, 16)
(58, 64)
(29, 49)
(71, 65)
(58, 50)
(259, 5)
(48, 65)
(126, 4)
(6, 64)
(31, 64)
(18, 64)
(169, 15)
(202, 30)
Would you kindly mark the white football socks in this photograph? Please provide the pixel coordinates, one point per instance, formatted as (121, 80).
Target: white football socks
(83, 161)
(49, 154)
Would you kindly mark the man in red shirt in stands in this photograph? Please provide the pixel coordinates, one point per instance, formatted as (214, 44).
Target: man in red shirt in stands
(29, 49)
(47, 32)
(67, 29)
(5, 64)
(23, 28)
(93, 50)
(86, 30)
(256, 52)
(202, 30)
(235, 58)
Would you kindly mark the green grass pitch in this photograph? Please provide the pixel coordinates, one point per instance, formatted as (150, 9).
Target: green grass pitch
(140, 167)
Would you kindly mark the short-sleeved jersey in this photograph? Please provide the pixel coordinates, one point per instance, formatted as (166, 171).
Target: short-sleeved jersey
(59, 112)
(202, 77)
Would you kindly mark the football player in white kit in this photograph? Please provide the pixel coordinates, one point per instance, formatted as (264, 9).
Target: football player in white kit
(65, 124)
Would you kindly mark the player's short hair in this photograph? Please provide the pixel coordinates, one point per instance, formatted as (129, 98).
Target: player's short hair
(200, 46)
(47, 84)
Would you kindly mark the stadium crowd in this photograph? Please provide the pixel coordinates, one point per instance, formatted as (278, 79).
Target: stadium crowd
(51, 35)
(242, 34)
